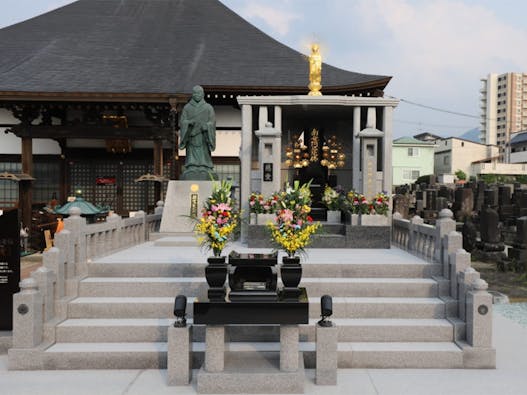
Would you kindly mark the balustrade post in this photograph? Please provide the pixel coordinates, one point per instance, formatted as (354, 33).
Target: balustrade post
(413, 234)
(64, 242)
(141, 234)
(459, 262)
(465, 280)
(452, 242)
(46, 280)
(115, 231)
(53, 260)
(27, 315)
(77, 226)
(444, 225)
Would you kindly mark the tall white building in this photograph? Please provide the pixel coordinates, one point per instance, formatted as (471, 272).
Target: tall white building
(503, 109)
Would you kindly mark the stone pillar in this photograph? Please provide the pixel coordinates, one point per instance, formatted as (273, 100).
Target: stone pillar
(278, 118)
(263, 117)
(356, 150)
(179, 355)
(414, 224)
(369, 167)
(245, 158)
(46, 279)
(289, 351)
(214, 348)
(387, 167)
(159, 207)
(269, 149)
(479, 315)
(326, 355)
(27, 315)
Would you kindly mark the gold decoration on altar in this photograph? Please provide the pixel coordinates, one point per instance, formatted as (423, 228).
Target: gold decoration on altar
(332, 154)
(315, 71)
(314, 140)
(296, 153)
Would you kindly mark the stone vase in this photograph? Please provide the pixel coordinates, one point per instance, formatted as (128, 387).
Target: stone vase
(374, 220)
(291, 275)
(253, 219)
(333, 217)
(291, 272)
(354, 219)
(216, 274)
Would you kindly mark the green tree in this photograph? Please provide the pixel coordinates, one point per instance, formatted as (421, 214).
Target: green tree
(461, 175)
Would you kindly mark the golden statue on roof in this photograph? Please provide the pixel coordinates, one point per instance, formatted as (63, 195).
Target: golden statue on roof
(315, 71)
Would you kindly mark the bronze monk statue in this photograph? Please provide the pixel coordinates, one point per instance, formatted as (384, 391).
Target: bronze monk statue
(198, 136)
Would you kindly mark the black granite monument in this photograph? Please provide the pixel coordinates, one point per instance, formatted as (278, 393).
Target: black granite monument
(9, 266)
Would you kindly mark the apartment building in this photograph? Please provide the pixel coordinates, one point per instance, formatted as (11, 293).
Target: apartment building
(503, 110)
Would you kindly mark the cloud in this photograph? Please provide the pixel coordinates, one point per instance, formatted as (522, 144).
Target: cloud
(278, 20)
(439, 43)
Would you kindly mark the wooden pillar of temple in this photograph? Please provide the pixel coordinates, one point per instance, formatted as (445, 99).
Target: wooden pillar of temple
(26, 186)
(158, 168)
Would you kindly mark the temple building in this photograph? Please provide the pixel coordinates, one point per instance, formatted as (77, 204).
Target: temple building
(90, 95)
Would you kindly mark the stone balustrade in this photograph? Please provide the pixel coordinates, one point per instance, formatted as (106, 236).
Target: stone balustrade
(468, 304)
(43, 296)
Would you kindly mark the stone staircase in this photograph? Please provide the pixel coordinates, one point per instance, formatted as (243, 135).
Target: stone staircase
(385, 305)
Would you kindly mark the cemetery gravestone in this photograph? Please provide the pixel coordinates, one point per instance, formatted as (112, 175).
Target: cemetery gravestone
(9, 266)
(519, 251)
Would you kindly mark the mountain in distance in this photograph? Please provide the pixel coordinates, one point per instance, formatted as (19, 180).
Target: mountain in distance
(471, 135)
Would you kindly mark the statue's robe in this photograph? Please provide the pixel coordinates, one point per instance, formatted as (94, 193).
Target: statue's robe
(198, 137)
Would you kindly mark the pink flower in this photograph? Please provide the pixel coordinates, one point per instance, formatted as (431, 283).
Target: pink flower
(214, 207)
(287, 215)
(251, 203)
(223, 207)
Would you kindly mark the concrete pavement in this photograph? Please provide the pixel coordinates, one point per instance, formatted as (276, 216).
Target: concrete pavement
(510, 340)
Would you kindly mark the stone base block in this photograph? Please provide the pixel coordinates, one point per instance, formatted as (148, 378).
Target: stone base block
(252, 373)
(6, 341)
(24, 359)
(479, 358)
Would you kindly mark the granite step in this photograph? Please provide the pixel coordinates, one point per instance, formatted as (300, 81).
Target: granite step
(349, 329)
(152, 355)
(315, 286)
(343, 307)
(327, 268)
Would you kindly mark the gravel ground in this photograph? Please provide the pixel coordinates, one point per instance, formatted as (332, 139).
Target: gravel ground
(516, 312)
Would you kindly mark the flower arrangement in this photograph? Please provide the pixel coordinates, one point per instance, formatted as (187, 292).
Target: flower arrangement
(218, 220)
(260, 205)
(293, 227)
(380, 203)
(332, 199)
(357, 203)
(256, 203)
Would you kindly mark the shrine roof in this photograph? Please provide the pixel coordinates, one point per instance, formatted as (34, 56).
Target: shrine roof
(159, 47)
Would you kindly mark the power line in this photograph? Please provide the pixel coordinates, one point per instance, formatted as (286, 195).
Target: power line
(438, 125)
(461, 114)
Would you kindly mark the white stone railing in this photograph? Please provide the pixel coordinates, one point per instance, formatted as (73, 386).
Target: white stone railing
(467, 302)
(43, 297)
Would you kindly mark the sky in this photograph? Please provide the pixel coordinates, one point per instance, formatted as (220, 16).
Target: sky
(436, 50)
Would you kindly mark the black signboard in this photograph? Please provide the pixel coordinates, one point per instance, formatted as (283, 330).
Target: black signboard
(9, 265)
(268, 172)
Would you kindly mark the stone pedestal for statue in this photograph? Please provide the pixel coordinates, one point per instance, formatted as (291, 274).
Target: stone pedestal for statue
(184, 201)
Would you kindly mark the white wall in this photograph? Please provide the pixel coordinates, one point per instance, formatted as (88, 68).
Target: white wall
(10, 144)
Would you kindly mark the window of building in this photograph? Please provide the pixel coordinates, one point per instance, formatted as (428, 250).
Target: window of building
(446, 159)
(462, 143)
(410, 174)
(413, 151)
